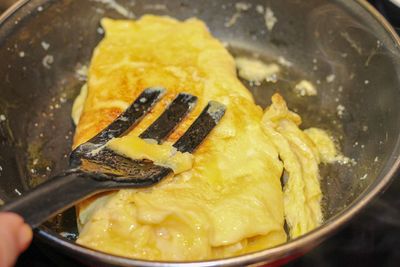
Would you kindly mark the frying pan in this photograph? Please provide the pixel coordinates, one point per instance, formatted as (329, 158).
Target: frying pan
(344, 47)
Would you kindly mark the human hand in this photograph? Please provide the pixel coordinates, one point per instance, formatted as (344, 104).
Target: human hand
(15, 237)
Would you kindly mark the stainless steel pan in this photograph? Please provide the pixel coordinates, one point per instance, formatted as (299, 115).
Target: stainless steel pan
(342, 46)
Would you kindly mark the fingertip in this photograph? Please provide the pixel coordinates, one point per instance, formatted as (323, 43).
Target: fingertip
(22, 230)
(12, 218)
(25, 237)
(10, 225)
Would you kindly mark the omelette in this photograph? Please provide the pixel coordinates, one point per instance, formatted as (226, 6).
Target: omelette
(226, 198)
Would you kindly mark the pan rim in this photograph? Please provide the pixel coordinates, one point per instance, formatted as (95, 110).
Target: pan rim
(299, 245)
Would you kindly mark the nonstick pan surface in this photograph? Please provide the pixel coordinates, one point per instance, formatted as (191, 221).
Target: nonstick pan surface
(45, 46)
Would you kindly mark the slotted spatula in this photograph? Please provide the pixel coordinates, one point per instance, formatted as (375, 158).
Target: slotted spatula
(94, 168)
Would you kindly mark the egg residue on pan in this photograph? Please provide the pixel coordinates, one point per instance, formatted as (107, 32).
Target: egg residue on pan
(229, 200)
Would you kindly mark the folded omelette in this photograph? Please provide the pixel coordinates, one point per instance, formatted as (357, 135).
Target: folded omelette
(229, 199)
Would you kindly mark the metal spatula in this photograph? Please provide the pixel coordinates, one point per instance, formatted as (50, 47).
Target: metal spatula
(94, 168)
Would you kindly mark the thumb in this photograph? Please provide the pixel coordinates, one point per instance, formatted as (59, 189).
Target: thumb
(15, 237)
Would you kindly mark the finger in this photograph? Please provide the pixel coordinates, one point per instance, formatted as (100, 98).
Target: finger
(9, 244)
(15, 236)
(24, 237)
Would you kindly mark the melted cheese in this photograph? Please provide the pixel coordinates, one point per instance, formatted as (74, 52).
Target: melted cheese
(230, 201)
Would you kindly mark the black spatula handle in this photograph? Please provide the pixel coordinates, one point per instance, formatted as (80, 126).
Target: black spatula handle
(51, 197)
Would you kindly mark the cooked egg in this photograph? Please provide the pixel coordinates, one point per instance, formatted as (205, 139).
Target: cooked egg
(227, 199)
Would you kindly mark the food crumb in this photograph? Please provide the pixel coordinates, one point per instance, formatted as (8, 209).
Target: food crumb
(47, 61)
(2, 117)
(100, 10)
(365, 128)
(260, 9)
(366, 81)
(232, 20)
(284, 62)
(270, 19)
(255, 71)
(112, 4)
(40, 9)
(364, 177)
(376, 159)
(63, 98)
(345, 160)
(100, 30)
(240, 6)
(330, 78)
(21, 54)
(340, 110)
(273, 78)
(70, 236)
(305, 88)
(81, 72)
(45, 45)
(17, 191)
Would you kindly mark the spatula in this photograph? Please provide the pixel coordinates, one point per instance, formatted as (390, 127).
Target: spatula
(94, 168)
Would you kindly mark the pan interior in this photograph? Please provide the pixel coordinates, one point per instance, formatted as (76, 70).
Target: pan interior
(336, 45)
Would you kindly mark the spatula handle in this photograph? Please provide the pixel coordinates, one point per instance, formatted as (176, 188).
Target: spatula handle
(51, 197)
